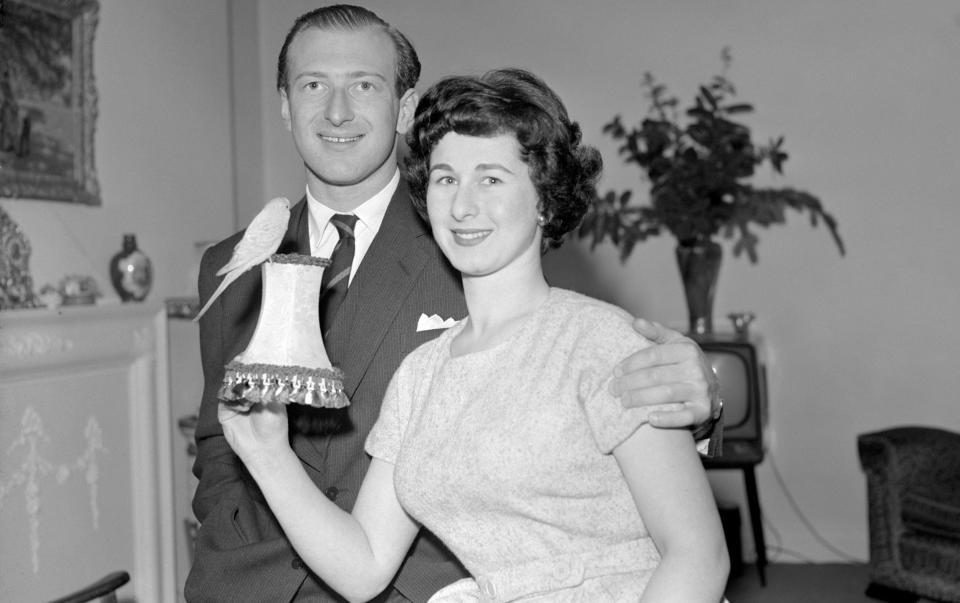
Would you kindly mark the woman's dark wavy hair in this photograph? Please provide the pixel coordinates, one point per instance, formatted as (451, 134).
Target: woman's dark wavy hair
(510, 101)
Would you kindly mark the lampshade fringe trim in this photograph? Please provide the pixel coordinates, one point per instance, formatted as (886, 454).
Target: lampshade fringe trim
(267, 383)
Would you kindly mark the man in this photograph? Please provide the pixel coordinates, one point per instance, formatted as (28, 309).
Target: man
(346, 82)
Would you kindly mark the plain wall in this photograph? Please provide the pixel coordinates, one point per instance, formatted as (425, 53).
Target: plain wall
(865, 94)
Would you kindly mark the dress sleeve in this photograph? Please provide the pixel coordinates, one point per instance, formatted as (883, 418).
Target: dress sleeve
(607, 339)
(383, 441)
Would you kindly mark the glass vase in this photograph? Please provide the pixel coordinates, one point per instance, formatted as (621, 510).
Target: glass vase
(699, 264)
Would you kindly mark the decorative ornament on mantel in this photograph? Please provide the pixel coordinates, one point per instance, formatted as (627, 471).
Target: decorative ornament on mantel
(741, 323)
(131, 271)
(16, 284)
(698, 170)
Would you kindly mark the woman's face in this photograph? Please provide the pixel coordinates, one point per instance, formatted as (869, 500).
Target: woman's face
(482, 204)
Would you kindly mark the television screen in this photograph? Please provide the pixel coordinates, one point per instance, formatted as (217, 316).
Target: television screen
(742, 386)
(734, 375)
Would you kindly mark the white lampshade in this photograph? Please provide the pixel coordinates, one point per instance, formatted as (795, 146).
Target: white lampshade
(285, 360)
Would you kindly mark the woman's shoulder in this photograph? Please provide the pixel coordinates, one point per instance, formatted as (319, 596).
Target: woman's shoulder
(590, 310)
(593, 323)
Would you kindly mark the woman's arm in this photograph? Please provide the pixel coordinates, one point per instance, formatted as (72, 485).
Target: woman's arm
(356, 554)
(671, 491)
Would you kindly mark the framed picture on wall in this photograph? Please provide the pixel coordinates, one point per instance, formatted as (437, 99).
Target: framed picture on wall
(48, 100)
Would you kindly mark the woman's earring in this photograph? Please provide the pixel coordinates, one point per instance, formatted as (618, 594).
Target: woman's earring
(542, 220)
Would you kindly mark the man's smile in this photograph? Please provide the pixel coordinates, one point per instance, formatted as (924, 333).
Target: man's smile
(340, 139)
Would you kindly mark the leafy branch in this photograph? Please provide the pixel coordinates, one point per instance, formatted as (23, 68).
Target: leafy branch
(698, 171)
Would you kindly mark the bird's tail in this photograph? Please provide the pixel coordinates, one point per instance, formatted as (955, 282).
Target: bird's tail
(213, 298)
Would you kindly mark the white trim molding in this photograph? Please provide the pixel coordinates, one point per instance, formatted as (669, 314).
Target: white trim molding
(85, 457)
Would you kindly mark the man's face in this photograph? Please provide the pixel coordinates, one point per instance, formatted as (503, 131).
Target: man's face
(342, 108)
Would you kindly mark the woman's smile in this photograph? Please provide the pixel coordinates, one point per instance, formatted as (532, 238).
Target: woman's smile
(469, 237)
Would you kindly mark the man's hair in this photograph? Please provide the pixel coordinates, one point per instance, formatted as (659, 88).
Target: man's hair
(510, 101)
(347, 17)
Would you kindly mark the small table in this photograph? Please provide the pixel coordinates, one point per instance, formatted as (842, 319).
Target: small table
(738, 360)
(745, 456)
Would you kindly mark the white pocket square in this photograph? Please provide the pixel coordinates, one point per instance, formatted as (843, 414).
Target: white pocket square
(429, 323)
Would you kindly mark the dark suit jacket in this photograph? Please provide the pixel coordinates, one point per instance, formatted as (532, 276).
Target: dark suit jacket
(241, 553)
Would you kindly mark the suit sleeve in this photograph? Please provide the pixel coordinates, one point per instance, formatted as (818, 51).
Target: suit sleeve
(240, 553)
(216, 466)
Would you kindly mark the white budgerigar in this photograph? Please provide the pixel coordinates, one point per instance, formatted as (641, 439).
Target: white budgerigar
(259, 242)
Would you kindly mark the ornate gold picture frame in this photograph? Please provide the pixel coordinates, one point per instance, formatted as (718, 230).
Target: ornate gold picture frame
(16, 284)
(48, 100)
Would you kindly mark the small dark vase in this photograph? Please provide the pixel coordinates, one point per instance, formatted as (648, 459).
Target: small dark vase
(699, 264)
(130, 271)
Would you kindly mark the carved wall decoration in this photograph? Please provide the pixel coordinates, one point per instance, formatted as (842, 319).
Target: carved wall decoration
(35, 471)
(85, 436)
(33, 345)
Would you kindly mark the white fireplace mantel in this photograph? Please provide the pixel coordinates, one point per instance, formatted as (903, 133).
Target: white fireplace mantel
(85, 459)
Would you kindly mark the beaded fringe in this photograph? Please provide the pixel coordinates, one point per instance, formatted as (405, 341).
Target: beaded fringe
(246, 384)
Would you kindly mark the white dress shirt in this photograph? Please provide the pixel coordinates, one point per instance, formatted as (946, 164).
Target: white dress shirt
(324, 236)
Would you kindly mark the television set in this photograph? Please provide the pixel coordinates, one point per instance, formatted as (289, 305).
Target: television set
(738, 362)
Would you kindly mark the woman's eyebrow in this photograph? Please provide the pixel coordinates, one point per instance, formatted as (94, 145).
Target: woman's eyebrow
(493, 166)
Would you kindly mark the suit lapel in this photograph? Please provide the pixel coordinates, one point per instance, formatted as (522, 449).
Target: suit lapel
(297, 238)
(386, 275)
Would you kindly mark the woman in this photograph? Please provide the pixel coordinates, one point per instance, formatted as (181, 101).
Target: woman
(500, 436)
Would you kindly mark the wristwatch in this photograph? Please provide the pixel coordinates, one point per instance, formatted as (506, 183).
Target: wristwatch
(718, 411)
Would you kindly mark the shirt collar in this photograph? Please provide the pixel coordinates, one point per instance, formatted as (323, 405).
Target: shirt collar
(369, 213)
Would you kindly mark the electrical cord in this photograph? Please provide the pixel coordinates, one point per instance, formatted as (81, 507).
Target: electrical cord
(777, 549)
(806, 522)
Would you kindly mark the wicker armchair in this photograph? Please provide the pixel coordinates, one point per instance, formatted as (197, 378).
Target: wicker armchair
(913, 494)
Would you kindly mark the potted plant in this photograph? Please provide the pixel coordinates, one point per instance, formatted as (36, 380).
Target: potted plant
(698, 165)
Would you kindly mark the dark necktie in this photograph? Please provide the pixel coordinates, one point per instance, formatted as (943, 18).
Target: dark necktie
(336, 277)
